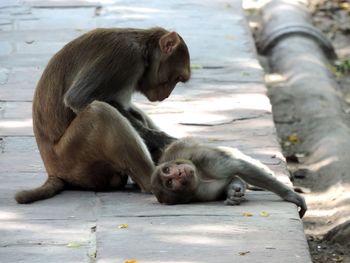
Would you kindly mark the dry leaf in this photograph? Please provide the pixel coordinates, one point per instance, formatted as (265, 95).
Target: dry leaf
(73, 245)
(123, 226)
(244, 253)
(247, 214)
(293, 138)
(196, 66)
(345, 6)
(264, 214)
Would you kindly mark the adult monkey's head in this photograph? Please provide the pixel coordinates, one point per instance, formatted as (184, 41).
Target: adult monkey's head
(175, 182)
(168, 63)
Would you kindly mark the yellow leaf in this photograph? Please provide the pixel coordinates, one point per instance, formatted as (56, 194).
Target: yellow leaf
(131, 261)
(123, 226)
(293, 138)
(247, 214)
(264, 214)
(73, 245)
(345, 6)
(196, 66)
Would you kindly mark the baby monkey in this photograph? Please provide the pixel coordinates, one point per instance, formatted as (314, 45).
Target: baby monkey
(189, 171)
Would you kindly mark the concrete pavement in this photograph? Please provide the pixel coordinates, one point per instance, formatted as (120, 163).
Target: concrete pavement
(224, 104)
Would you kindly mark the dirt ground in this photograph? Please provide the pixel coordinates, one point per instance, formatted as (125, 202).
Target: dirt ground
(333, 19)
(327, 200)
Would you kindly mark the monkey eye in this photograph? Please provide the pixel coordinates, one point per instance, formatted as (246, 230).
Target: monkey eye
(166, 169)
(169, 183)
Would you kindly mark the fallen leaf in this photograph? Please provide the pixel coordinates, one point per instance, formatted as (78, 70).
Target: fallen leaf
(264, 214)
(345, 6)
(123, 226)
(247, 214)
(73, 245)
(131, 261)
(196, 66)
(293, 138)
(244, 253)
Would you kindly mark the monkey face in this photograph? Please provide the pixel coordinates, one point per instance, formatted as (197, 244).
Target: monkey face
(174, 182)
(169, 65)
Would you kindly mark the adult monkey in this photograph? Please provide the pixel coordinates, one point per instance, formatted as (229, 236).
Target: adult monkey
(189, 172)
(82, 139)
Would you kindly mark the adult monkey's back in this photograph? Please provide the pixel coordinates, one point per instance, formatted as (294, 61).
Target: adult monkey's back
(75, 126)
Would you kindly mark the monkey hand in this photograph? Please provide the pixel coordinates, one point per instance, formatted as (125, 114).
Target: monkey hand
(297, 199)
(235, 194)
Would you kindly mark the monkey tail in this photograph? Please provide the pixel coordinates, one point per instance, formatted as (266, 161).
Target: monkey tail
(51, 187)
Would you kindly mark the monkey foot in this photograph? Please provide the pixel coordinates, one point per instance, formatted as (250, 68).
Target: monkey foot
(235, 194)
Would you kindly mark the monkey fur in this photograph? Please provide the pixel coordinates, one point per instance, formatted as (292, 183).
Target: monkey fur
(192, 172)
(84, 139)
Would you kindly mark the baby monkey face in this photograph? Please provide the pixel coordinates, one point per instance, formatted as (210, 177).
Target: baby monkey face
(175, 182)
(177, 175)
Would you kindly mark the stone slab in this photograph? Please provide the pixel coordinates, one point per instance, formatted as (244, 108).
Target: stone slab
(42, 233)
(72, 205)
(40, 254)
(200, 239)
(143, 205)
(16, 118)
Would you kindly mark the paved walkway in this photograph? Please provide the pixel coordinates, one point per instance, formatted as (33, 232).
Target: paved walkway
(223, 104)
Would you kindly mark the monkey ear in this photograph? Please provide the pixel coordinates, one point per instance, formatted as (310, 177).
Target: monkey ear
(169, 42)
